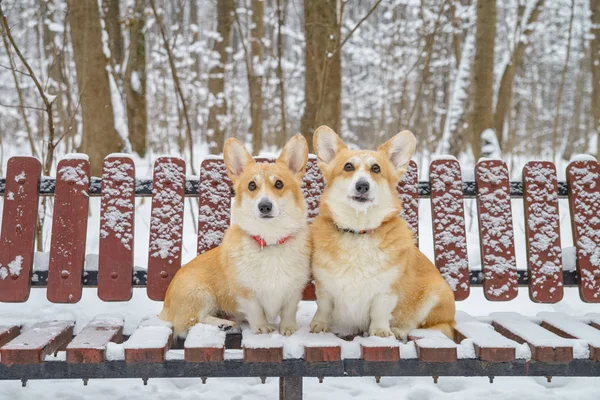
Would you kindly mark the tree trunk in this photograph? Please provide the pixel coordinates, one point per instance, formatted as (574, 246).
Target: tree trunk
(282, 139)
(100, 137)
(483, 72)
(574, 141)
(595, 50)
(323, 83)
(216, 80)
(112, 18)
(256, 73)
(134, 83)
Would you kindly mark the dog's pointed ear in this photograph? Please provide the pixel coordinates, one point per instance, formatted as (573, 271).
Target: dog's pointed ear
(237, 158)
(295, 155)
(399, 150)
(327, 144)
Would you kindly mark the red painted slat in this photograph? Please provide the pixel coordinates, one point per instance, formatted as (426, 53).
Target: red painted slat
(8, 333)
(19, 222)
(214, 204)
(115, 259)
(69, 227)
(166, 224)
(408, 191)
(448, 218)
(542, 228)
(496, 231)
(89, 346)
(583, 178)
(312, 187)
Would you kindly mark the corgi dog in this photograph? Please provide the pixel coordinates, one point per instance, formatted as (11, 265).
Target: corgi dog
(259, 271)
(369, 274)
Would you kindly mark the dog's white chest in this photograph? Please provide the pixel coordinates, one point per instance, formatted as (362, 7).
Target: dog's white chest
(353, 283)
(275, 274)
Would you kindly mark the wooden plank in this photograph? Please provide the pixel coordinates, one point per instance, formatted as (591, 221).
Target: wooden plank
(448, 218)
(89, 346)
(408, 192)
(322, 353)
(496, 231)
(31, 346)
(433, 346)
(166, 225)
(583, 178)
(204, 343)
(569, 327)
(8, 333)
(69, 229)
(214, 204)
(312, 187)
(542, 231)
(380, 353)
(117, 217)
(545, 346)
(19, 222)
(150, 342)
(259, 348)
(489, 345)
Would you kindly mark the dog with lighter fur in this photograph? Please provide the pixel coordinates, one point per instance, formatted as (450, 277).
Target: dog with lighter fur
(259, 271)
(369, 274)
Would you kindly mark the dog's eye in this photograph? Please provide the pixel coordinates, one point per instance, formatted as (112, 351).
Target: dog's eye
(348, 167)
(278, 184)
(252, 186)
(375, 168)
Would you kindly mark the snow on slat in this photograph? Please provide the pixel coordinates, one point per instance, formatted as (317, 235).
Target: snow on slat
(69, 229)
(542, 227)
(448, 218)
(583, 178)
(594, 319)
(42, 339)
(262, 347)
(19, 221)
(89, 346)
(496, 231)
(166, 225)
(545, 345)
(312, 187)
(408, 192)
(8, 333)
(489, 345)
(115, 260)
(204, 343)
(569, 327)
(149, 342)
(214, 204)
(433, 346)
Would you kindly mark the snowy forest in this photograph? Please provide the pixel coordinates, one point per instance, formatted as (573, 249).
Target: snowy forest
(517, 78)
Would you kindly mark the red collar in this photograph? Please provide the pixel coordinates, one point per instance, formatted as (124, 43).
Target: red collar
(262, 243)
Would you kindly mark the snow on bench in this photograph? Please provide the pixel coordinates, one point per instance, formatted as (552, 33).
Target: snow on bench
(408, 192)
(42, 339)
(433, 346)
(594, 319)
(569, 327)
(545, 345)
(89, 346)
(488, 344)
(150, 342)
(204, 343)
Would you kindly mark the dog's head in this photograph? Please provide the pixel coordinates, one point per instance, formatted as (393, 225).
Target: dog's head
(268, 196)
(361, 184)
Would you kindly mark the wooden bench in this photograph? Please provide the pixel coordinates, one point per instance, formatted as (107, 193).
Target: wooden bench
(503, 344)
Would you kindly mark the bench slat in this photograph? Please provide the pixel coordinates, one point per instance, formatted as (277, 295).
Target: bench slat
(166, 225)
(569, 327)
(408, 192)
(489, 345)
(8, 333)
(259, 348)
(496, 231)
(214, 204)
(312, 187)
(19, 222)
(583, 178)
(204, 343)
(115, 259)
(89, 346)
(69, 229)
(150, 342)
(448, 218)
(32, 345)
(433, 346)
(542, 231)
(545, 346)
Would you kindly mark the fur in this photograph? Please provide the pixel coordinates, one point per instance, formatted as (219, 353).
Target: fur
(378, 282)
(241, 278)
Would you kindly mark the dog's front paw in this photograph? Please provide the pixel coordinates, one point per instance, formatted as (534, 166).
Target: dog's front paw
(401, 334)
(288, 330)
(319, 326)
(380, 331)
(264, 328)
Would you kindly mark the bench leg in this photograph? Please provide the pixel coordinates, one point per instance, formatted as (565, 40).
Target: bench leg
(290, 388)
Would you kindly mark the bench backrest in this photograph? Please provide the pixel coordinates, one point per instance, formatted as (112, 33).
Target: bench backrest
(118, 188)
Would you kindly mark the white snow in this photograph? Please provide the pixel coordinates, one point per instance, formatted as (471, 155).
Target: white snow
(149, 337)
(202, 335)
(76, 156)
(583, 157)
(572, 326)
(76, 174)
(21, 176)
(484, 335)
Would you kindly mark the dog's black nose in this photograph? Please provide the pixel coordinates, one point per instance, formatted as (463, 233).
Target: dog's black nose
(265, 207)
(362, 186)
